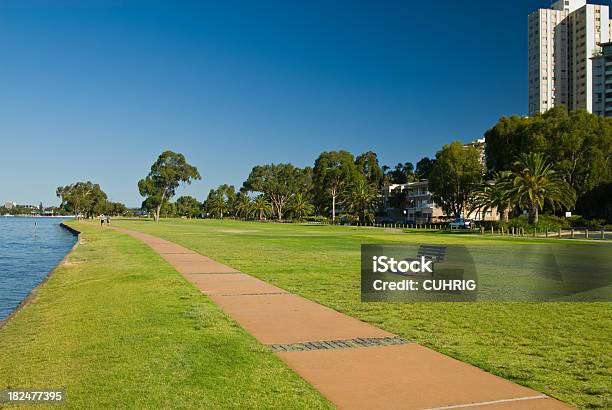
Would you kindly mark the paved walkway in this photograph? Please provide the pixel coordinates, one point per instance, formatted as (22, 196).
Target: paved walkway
(353, 364)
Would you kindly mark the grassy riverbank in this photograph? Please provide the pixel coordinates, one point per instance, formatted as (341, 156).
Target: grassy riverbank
(561, 349)
(118, 327)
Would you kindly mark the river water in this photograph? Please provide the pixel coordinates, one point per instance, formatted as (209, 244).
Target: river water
(30, 247)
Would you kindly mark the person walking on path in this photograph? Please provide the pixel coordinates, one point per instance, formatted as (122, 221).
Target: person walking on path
(101, 219)
(107, 219)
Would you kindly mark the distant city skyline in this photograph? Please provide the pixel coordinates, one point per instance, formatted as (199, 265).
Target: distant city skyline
(97, 92)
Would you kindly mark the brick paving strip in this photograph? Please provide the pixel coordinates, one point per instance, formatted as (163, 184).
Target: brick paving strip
(354, 364)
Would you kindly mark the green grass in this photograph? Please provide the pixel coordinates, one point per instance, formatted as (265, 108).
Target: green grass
(117, 327)
(561, 349)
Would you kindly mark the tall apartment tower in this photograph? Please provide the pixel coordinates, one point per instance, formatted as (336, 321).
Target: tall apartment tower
(562, 41)
(602, 81)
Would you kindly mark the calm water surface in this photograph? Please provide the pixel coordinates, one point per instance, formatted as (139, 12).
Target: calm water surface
(29, 249)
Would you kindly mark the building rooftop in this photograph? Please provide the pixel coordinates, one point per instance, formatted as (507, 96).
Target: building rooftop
(568, 5)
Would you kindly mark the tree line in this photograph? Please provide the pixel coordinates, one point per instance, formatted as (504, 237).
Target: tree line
(29, 210)
(87, 199)
(552, 162)
(549, 162)
(546, 163)
(338, 185)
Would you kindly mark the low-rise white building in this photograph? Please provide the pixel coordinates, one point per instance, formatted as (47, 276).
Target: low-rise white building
(412, 203)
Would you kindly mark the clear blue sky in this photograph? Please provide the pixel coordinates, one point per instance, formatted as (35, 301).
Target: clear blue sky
(96, 92)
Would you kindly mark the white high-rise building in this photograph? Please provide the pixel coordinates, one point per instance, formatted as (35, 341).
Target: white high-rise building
(602, 81)
(562, 41)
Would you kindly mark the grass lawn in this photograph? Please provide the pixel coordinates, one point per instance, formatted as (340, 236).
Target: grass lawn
(561, 349)
(117, 327)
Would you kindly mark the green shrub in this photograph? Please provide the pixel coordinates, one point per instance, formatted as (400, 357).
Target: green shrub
(488, 224)
(520, 222)
(579, 221)
(551, 222)
(316, 218)
(546, 222)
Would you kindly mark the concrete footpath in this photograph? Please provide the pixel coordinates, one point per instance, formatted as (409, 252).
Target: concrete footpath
(353, 364)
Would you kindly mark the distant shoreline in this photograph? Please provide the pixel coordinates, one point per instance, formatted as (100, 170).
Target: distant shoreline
(37, 216)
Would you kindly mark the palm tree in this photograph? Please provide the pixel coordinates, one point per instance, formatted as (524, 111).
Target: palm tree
(217, 206)
(493, 194)
(242, 206)
(300, 207)
(535, 184)
(261, 207)
(361, 199)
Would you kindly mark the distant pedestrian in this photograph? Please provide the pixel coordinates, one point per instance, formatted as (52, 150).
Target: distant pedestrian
(101, 219)
(107, 219)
